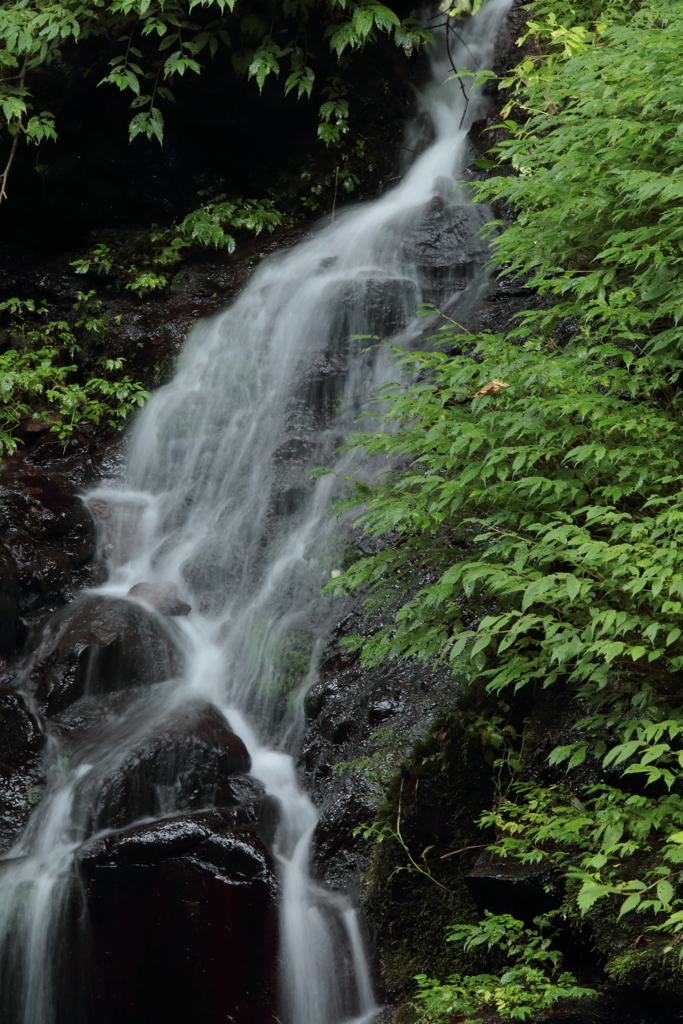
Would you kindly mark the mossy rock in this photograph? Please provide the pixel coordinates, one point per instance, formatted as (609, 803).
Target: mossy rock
(442, 790)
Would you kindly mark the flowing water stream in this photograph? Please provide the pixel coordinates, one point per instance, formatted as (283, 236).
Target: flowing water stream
(218, 501)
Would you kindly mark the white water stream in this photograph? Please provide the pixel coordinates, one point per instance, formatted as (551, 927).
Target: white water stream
(218, 501)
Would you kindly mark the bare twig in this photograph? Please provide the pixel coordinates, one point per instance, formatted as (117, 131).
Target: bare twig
(15, 142)
(8, 167)
(479, 846)
(427, 873)
(336, 182)
(463, 90)
(448, 26)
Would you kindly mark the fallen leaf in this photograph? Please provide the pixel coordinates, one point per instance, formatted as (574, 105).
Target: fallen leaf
(492, 388)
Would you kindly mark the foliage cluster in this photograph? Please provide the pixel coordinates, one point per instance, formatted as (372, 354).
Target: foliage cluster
(161, 248)
(533, 982)
(157, 42)
(40, 380)
(151, 46)
(543, 499)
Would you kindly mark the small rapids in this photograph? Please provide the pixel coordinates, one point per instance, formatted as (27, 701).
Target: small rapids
(219, 501)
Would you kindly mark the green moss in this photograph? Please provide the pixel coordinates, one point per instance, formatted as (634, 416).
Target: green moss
(632, 955)
(647, 965)
(442, 789)
(292, 663)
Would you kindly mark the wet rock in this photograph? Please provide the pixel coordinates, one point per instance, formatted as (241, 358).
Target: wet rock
(98, 645)
(20, 791)
(344, 711)
(445, 244)
(216, 835)
(321, 385)
(80, 459)
(48, 532)
(165, 597)
(296, 450)
(338, 857)
(183, 760)
(9, 600)
(373, 305)
(447, 235)
(98, 713)
(20, 735)
(289, 499)
(21, 777)
(506, 886)
(182, 921)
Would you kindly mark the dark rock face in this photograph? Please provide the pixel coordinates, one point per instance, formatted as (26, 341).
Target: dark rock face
(20, 735)
(182, 924)
(446, 236)
(21, 744)
(184, 760)
(344, 711)
(506, 886)
(174, 919)
(48, 535)
(99, 645)
(339, 858)
(375, 305)
(9, 600)
(79, 460)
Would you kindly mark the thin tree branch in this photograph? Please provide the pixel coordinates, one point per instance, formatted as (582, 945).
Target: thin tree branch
(8, 167)
(447, 25)
(479, 846)
(457, 75)
(427, 873)
(15, 142)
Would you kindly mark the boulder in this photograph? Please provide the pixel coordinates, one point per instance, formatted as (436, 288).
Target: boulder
(377, 304)
(504, 885)
(445, 244)
(345, 709)
(222, 836)
(182, 922)
(183, 760)
(99, 645)
(165, 597)
(48, 532)
(446, 234)
(21, 774)
(338, 857)
(20, 735)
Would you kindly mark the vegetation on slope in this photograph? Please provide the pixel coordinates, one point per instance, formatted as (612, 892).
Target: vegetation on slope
(147, 50)
(154, 44)
(542, 514)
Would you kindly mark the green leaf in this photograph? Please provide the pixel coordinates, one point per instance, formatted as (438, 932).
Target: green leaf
(543, 585)
(589, 893)
(665, 892)
(632, 902)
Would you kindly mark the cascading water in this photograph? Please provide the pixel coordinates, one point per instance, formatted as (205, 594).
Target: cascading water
(218, 501)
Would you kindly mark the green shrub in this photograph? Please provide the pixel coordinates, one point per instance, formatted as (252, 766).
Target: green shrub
(39, 379)
(542, 506)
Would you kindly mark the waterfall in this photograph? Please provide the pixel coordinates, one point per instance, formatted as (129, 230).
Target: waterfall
(219, 501)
